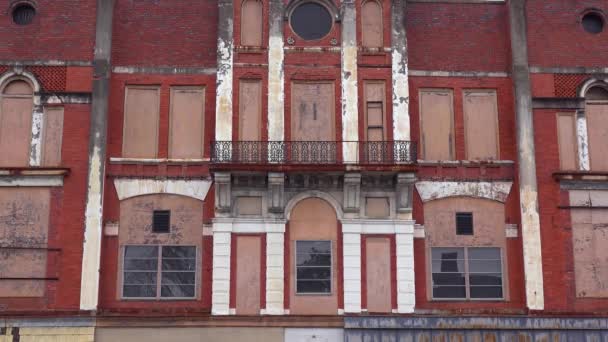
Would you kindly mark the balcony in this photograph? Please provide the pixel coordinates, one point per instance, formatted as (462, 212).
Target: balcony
(314, 152)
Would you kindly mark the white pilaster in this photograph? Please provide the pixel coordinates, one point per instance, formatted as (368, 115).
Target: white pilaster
(352, 272)
(350, 114)
(36, 142)
(404, 239)
(275, 270)
(583, 141)
(220, 293)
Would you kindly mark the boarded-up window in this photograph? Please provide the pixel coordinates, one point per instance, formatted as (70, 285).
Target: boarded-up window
(436, 122)
(140, 135)
(52, 136)
(16, 123)
(566, 139)
(250, 110)
(187, 122)
(371, 24)
(378, 277)
(251, 23)
(481, 124)
(248, 264)
(312, 110)
(375, 128)
(597, 126)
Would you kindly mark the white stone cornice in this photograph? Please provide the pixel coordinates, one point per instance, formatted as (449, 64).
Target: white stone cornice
(367, 226)
(496, 191)
(129, 187)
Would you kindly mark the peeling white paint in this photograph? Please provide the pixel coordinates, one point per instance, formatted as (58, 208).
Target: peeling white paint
(276, 88)
(401, 96)
(223, 111)
(89, 282)
(350, 96)
(46, 180)
(36, 142)
(582, 139)
(127, 187)
(533, 268)
(496, 191)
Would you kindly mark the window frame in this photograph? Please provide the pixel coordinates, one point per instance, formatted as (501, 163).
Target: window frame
(159, 274)
(467, 283)
(331, 270)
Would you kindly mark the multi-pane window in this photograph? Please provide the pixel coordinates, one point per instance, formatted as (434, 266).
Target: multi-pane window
(313, 267)
(467, 273)
(153, 272)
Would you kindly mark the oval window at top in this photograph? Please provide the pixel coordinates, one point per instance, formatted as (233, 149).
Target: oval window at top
(311, 21)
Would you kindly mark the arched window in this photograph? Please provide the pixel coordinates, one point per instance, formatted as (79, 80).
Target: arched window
(251, 23)
(17, 101)
(596, 111)
(371, 24)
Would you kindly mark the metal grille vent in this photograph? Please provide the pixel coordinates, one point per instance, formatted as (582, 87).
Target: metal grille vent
(464, 223)
(23, 14)
(161, 221)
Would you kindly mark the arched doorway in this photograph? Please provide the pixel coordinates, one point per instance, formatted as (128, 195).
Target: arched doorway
(313, 261)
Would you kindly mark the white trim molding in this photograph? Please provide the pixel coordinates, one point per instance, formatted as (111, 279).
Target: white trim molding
(496, 191)
(48, 180)
(131, 187)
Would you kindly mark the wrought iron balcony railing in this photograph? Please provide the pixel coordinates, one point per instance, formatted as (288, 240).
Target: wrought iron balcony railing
(313, 152)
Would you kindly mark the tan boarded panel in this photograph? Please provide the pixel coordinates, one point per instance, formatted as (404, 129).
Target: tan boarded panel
(22, 288)
(251, 206)
(15, 130)
(377, 207)
(566, 139)
(251, 23)
(248, 264)
(371, 24)
(481, 125)
(189, 334)
(589, 238)
(436, 120)
(53, 134)
(313, 219)
(24, 216)
(140, 135)
(378, 267)
(312, 112)
(187, 122)
(250, 110)
(597, 126)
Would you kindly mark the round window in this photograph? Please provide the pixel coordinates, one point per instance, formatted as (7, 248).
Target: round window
(311, 21)
(23, 14)
(593, 22)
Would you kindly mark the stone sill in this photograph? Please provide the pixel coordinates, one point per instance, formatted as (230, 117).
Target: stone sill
(39, 176)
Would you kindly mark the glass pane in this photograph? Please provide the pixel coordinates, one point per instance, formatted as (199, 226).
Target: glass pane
(304, 247)
(449, 292)
(135, 278)
(311, 21)
(169, 278)
(485, 279)
(314, 286)
(486, 291)
(141, 252)
(448, 265)
(484, 253)
(448, 279)
(179, 252)
(313, 260)
(139, 291)
(447, 253)
(487, 266)
(177, 291)
(179, 264)
(140, 264)
(314, 273)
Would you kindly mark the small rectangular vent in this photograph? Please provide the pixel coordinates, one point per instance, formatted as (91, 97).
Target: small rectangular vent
(464, 223)
(161, 221)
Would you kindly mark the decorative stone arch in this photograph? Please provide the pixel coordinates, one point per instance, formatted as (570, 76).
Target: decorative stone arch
(127, 188)
(329, 4)
(582, 134)
(495, 191)
(591, 83)
(314, 194)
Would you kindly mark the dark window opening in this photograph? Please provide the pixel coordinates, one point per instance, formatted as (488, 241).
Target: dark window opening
(593, 22)
(23, 14)
(313, 267)
(161, 221)
(311, 21)
(464, 223)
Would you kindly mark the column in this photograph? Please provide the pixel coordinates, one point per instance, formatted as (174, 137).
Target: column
(351, 244)
(220, 288)
(350, 113)
(404, 239)
(275, 269)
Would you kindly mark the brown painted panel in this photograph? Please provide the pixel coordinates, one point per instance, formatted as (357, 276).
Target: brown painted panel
(312, 111)
(597, 126)
(313, 219)
(53, 134)
(187, 122)
(248, 264)
(566, 139)
(437, 124)
(481, 125)
(140, 135)
(249, 206)
(371, 24)
(250, 110)
(377, 207)
(251, 23)
(16, 124)
(378, 267)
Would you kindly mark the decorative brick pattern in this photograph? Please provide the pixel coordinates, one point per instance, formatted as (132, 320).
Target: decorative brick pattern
(566, 85)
